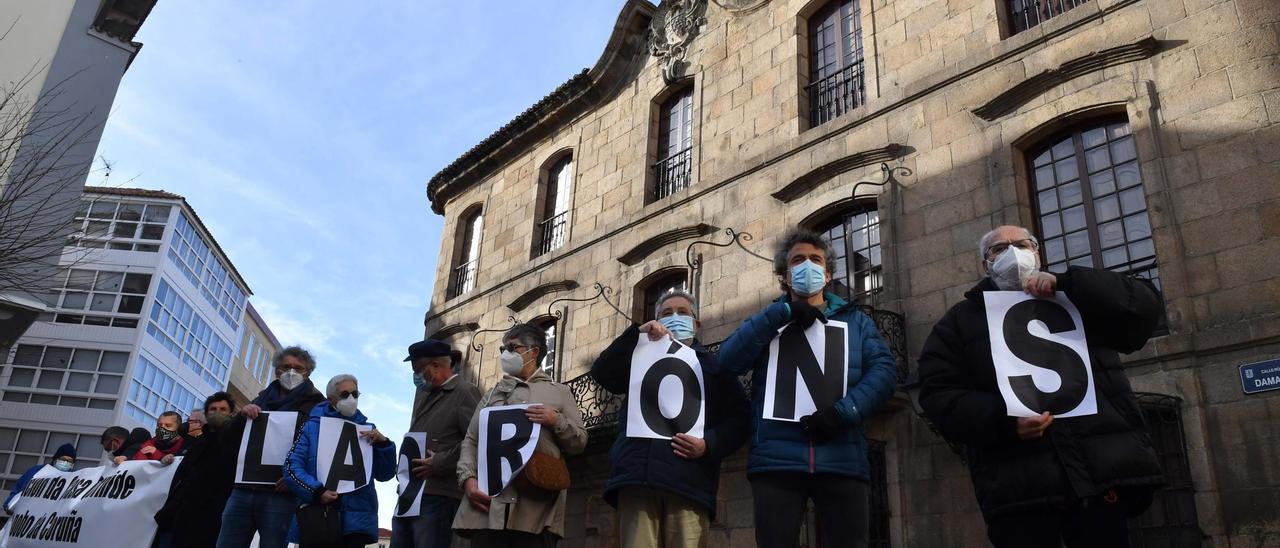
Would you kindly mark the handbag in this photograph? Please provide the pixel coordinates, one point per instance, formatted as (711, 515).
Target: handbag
(319, 523)
(547, 472)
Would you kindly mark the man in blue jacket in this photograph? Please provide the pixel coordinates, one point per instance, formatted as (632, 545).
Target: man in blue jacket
(665, 491)
(358, 509)
(822, 457)
(64, 459)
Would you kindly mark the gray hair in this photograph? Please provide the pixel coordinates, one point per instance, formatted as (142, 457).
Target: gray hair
(529, 335)
(198, 415)
(297, 352)
(693, 303)
(334, 381)
(782, 250)
(988, 238)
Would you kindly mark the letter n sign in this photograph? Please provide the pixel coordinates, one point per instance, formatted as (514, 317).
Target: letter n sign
(808, 369)
(1040, 355)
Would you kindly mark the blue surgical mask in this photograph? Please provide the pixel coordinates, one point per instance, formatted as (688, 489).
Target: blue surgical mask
(420, 381)
(808, 278)
(681, 327)
(63, 466)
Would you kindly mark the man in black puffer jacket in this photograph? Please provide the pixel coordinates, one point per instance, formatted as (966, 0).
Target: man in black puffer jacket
(1041, 481)
(665, 491)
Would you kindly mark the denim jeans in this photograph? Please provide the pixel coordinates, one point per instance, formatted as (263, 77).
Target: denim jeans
(248, 511)
(432, 528)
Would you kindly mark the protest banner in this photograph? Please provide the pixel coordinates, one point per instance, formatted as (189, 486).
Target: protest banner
(667, 392)
(409, 492)
(344, 458)
(105, 505)
(264, 445)
(1040, 354)
(807, 370)
(507, 440)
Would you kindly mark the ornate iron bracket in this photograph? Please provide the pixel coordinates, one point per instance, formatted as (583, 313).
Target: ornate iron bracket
(695, 261)
(888, 177)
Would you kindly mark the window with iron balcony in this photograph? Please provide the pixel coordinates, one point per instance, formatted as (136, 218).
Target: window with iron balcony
(673, 171)
(837, 79)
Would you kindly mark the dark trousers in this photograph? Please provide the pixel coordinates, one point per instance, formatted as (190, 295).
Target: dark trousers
(489, 538)
(1096, 522)
(431, 528)
(347, 541)
(840, 503)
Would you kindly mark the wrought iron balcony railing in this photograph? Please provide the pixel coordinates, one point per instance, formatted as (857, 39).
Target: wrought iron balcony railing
(1024, 14)
(551, 233)
(600, 407)
(464, 277)
(673, 174)
(837, 94)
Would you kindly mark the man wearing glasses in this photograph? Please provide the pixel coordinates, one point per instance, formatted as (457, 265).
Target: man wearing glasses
(268, 509)
(1042, 481)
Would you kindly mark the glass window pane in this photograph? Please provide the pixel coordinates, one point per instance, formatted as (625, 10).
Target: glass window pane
(1064, 149)
(1107, 208)
(107, 384)
(79, 382)
(129, 212)
(152, 232)
(1054, 251)
(97, 229)
(1132, 200)
(31, 441)
(1094, 137)
(102, 404)
(85, 360)
(1123, 150)
(22, 376)
(1048, 201)
(1051, 225)
(130, 304)
(1117, 130)
(1077, 244)
(1085, 261)
(22, 462)
(1113, 257)
(7, 437)
(102, 210)
(97, 320)
(88, 445)
(1069, 194)
(1142, 250)
(1102, 183)
(1137, 227)
(125, 230)
(56, 357)
(1127, 175)
(136, 283)
(109, 281)
(1066, 170)
(28, 354)
(1042, 159)
(80, 279)
(1097, 159)
(157, 213)
(1111, 234)
(103, 302)
(75, 301)
(50, 379)
(1044, 177)
(1073, 219)
(114, 362)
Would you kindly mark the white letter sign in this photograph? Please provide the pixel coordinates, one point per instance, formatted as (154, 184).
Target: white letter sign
(409, 493)
(666, 395)
(264, 446)
(507, 440)
(1040, 355)
(808, 369)
(344, 459)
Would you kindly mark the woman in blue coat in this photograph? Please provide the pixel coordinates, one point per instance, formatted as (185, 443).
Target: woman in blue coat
(823, 456)
(358, 509)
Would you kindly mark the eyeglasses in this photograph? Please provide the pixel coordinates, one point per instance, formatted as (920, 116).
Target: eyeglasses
(515, 348)
(994, 250)
(352, 393)
(283, 368)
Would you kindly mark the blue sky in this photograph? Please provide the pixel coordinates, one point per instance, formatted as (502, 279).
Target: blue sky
(303, 133)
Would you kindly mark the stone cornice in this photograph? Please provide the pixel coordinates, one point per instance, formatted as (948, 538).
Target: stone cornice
(1028, 89)
(627, 46)
(804, 183)
(523, 301)
(647, 247)
(451, 330)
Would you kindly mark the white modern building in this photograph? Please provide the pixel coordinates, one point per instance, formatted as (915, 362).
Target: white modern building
(146, 316)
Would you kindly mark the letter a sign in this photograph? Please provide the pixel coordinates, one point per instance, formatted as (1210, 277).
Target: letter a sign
(344, 460)
(666, 395)
(1040, 355)
(808, 369)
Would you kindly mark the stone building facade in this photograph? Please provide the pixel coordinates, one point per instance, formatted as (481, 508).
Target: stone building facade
(1137, 135)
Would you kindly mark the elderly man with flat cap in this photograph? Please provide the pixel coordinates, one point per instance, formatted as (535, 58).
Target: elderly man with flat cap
(443, 403)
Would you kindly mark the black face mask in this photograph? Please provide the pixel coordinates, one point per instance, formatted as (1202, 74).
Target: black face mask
(166, 437)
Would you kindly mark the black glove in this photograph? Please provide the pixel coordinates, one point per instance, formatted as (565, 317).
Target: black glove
(823, 425)
(804, 314)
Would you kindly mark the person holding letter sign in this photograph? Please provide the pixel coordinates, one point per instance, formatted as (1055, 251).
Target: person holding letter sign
(443, 404)
(268, 509)
(358, 509)
(519, 512)
(1044, 480)
(191, 516)
(665, 489)
(811, 400)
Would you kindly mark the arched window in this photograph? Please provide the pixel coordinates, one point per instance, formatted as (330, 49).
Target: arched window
(837, 80)
(854, 234)
(656, 285)
(466, 252)
(1089, 201)
(673, 170)
(552, 229)
(548, 325)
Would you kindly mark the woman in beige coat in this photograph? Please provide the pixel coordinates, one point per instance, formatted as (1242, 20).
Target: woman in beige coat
(520, 517)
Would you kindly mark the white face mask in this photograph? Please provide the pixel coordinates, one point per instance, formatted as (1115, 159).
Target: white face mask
(1012, 268)
(347, 406)
(291, 379)
(512, 363)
